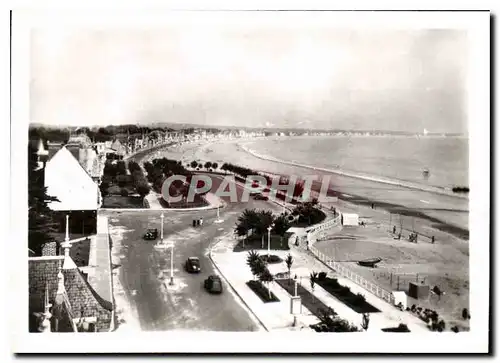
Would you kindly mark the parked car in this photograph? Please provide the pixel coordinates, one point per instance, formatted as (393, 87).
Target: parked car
(151, 234)
(193, 264)
(260, 197)
(213, 284)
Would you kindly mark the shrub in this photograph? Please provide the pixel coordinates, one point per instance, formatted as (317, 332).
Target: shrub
(455, 329)
(123, 192)
(413, 308)
(271, 259)
(401, 328)
(465, 314)
(321, 276)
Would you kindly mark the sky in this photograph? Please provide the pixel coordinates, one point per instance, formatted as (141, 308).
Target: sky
(315, 78)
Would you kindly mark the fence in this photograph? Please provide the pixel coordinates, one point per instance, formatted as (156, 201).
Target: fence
(339, 268)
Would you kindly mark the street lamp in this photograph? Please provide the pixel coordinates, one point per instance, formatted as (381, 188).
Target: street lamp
(161, 235)
(172, 265)
(269, 241)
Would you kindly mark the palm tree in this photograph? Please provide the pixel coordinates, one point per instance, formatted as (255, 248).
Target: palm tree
(252, 257)
(313, 277)
(208, 165)
(258, 267)
(281, 225)
(265, 219)
(215, 166)
(289, 263)
(247, 221)
(266, 277)
(194, 164)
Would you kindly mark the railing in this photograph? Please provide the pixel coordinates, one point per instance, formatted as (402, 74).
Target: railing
(341, 269)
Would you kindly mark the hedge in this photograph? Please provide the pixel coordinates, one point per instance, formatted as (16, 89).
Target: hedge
(356, 302)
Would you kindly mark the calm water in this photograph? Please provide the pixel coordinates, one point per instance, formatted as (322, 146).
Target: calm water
(401, 158)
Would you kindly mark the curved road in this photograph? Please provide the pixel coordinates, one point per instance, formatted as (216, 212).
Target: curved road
(145, 270)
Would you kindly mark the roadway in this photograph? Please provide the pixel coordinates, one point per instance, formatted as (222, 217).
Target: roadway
(144, 270)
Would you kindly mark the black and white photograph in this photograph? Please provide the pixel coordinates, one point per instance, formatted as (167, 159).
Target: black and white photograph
(238, 181)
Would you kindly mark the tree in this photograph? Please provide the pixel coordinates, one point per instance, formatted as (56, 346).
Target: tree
(258, 267)
(313, 277)
(289, 263)
(265, 219)
(281, 225)
(121, 180)
(110, 170)
(266, 277)
(194, 164)
(330, 322)
(208, 165)
(215, 166)
(252, 257)
(143, 188)
(41, 219)
(246, 221)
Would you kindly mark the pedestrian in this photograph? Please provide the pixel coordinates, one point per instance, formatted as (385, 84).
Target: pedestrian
(394, 229)
(373, 205)
(201, 221)
(432, 239)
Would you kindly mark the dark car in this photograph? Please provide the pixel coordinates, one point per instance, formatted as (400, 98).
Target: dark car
(151, 234)
(213, 284)
(193, 264)
(260, 197)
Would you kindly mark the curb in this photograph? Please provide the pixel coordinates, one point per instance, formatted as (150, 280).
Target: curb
(232, 287)
(163, 209)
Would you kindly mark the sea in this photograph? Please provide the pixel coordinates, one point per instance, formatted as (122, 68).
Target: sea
(392, 157)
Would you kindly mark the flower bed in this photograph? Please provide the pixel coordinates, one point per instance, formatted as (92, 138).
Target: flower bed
(313, 304)
(114, 201)
(318, 308)
(261, 291)
(401, 328)
(356, 302)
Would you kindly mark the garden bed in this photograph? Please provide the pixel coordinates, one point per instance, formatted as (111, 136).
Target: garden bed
(271, 259)
(402, 328)
(261, 291)
(117, 201)
(199, 203)
(355, 301)
(255, 243)
(312, 303)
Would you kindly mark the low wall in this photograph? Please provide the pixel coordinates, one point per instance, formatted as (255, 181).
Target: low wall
(314, 233)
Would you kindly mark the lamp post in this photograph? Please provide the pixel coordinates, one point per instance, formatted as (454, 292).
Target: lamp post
(172, 265)
(161, 233)
(269, 240)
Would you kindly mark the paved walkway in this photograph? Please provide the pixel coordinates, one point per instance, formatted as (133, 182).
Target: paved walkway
(100, 259)
(276, 316)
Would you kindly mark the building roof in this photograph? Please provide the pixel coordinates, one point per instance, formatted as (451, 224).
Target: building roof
(79, 300)
(67, 180)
